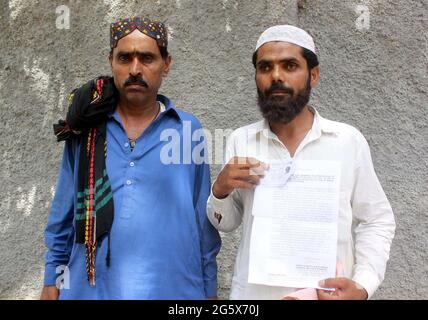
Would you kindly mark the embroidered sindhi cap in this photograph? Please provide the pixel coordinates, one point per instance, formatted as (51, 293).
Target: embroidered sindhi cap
(287, 33)
(151, 28)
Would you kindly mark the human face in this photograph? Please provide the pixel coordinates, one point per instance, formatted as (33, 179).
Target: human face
(283, 81)
(138, 68)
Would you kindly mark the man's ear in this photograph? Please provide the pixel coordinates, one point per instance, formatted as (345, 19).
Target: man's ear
(167, 61)
(315, 75)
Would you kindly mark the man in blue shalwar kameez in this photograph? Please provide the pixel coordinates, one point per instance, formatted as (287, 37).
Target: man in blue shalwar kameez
(128, 218)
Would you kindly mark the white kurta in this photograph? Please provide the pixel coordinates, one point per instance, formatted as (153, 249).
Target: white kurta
(366, 223)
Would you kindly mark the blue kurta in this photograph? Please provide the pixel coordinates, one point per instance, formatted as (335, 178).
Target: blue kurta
(162, 244)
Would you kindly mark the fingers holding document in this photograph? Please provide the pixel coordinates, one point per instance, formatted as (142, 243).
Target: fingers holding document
(239, 172)
(344, 289)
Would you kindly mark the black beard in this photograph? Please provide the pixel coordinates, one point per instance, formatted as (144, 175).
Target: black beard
(285, 108)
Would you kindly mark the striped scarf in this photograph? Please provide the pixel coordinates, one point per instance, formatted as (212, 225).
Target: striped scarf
(86, 121)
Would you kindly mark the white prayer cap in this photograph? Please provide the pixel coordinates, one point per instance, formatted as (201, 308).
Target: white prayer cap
(287, 33)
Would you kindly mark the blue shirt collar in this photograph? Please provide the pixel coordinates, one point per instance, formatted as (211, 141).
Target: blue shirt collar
(170, 109)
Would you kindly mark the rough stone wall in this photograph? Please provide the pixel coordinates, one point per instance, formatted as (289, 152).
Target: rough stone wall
(374, 79)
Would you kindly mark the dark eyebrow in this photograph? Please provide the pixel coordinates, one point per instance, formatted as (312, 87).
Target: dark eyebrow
(290, 60)
(285, 60)
(145, 53)
(263, 62)
(139, 53)
(123, 53)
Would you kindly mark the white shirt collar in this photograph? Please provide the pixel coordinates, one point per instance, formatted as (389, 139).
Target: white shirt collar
(320, 125)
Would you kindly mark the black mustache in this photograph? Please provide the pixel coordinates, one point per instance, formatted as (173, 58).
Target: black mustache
(276, 86)
(135, 80)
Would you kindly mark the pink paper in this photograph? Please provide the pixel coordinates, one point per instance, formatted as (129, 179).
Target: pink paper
(304, 294)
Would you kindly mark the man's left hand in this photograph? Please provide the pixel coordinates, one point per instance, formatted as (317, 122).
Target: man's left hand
(345, 289)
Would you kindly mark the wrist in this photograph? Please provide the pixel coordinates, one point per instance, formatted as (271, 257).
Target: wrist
(218, 192)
